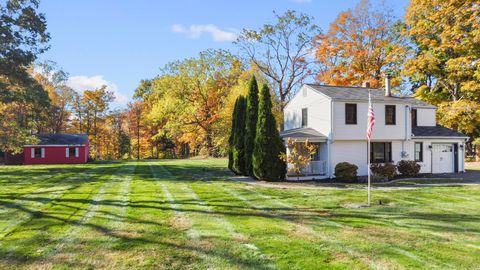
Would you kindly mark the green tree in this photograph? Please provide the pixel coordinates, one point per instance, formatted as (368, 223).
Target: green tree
(251, 124)
(23, 36)
(239, 137)
(23, 101)
(267, 162)
(231, 139)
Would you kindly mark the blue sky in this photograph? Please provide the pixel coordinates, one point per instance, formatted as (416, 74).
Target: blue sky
(120, 42)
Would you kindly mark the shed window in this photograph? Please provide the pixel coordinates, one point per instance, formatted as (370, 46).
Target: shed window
(37, 153)
(71, 151)
(351, 114)
(380, 152)
(390, 115)
(304, 117)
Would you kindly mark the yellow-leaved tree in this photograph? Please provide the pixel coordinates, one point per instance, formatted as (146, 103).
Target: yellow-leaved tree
(445, 71)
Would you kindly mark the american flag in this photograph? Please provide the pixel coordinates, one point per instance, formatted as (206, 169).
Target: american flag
(371, 118)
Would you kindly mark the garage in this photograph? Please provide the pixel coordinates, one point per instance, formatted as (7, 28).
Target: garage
(443, 158)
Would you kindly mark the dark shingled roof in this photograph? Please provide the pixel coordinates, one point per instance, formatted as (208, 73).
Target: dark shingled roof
(435, 131)
(62, 139)
(301, 133)
(361, 94)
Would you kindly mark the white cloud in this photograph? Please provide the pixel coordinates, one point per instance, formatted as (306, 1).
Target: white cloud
(196, 30)
(82, 83)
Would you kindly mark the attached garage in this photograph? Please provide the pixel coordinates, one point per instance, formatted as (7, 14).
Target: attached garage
(444, 149)
(444, 158)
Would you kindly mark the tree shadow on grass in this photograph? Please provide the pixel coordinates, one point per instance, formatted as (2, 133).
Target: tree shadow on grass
(16, 256)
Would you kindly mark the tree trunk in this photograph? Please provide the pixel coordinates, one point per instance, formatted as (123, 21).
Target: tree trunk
(477, 148)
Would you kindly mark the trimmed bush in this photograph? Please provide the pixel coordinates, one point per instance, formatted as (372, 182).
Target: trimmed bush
(267, 164)
(239, 139)
(345, 171)
(384, 170)
(408, 167)
(231, 139)
(251, 124)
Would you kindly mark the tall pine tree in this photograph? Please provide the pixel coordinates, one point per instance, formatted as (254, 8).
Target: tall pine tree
(231, 139)
(267, 164)
(251, 124)
(239, 137)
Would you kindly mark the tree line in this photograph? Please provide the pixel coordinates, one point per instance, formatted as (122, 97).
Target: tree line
(431, 52)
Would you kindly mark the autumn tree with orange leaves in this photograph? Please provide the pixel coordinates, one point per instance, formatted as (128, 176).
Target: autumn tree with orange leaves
(362, 45)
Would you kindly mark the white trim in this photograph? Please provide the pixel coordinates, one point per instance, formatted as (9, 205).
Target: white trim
(32, 153)
(53, 145)
(76, 152)
(67, 153)
(42, 152)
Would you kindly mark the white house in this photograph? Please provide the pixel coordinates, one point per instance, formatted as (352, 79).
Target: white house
(335, 118)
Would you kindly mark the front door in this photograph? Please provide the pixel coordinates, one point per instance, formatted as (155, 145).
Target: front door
(443, 158)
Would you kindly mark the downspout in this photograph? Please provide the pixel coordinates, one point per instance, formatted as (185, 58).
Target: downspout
(407, 109)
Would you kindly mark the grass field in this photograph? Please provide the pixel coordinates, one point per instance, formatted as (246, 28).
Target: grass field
(186, 215)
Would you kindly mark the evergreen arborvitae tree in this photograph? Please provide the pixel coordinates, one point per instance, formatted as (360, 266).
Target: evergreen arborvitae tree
(239, 137)
(231, 139)
(267, 164)
(251, 124)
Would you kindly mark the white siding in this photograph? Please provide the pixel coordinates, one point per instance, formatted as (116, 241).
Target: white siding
(426, 117)
(319, 110)
(381, 131)
(355, 152)
(427, 153)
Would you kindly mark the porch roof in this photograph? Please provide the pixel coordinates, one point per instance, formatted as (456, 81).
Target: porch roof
(302, 133)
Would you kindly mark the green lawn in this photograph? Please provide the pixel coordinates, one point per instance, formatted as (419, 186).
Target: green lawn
(185, 215)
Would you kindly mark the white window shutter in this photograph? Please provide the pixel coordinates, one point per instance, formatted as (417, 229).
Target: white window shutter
(32, 152)
(76, 151)
(43, 152)
(67, 154)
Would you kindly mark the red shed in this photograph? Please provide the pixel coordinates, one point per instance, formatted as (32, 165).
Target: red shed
(58, 149)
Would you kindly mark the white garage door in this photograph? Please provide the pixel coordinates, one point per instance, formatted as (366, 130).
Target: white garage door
(443, 158)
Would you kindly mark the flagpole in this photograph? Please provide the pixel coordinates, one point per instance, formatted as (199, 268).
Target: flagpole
(368, 146)
(368, 170)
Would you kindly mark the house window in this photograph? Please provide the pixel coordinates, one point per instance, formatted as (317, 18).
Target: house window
(419, 151)
(390, 115)
(380, 152)
(71, 152)
(414, 117)
(351, 114)
(304, 117)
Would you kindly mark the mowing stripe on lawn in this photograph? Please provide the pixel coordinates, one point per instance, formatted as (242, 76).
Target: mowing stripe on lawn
(356, 252)
(34, 237)
(337, 244)
(212, 225)
(34, 206)
(99, 229)
(72, 235)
